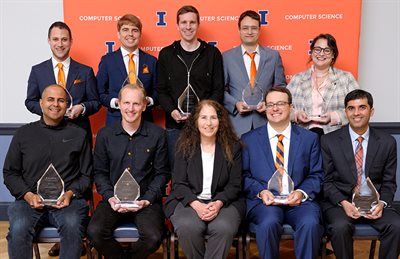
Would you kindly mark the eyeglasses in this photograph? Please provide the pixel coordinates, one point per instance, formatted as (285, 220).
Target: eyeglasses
(280, 105)
(318, 50)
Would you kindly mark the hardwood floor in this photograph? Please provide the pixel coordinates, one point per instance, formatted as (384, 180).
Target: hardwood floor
(361, 248)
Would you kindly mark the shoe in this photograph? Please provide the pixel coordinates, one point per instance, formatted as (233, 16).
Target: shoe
(55, 250)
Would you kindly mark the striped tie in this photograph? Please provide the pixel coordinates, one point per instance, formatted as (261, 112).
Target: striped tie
(61, 76)
(132, 69)
(280, 161)
(358, 156)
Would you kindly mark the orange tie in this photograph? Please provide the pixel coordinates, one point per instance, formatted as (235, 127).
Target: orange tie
(132, 69)
(61, 76)
(280, 161)
(253, 69)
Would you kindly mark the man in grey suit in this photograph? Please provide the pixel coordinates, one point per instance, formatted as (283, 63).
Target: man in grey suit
(245, 64)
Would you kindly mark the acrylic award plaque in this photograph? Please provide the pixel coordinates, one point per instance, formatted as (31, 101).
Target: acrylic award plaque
(366, 198)
(317, 116)
(127, 190)
(187, 100)
(280, 185)
(252, 96)
(71, 103)
(50, 186)
(127, 81)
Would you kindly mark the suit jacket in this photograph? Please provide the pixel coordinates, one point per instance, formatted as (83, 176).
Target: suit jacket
(339, 84)
(340, 166)
(269, 73)
(81, 84)
(187, 180)
(304, 164)
(112, 74)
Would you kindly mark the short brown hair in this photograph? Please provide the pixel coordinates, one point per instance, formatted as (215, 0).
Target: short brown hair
(129, 19)
(281, 90)
(132, 87)
(252, 14)
(187, 9)
(60, 25)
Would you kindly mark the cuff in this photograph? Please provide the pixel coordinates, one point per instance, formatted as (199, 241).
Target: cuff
(150, 100)
(84, 109)
(304, 194)
(113, 103)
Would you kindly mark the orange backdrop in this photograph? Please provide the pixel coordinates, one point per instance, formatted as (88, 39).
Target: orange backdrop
(287, 26)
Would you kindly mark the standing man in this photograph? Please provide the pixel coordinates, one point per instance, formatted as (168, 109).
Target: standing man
(350, 155)
(187, 61)
(51, 140)
(140, 147)
(249, 63)
(61, 69)
(267, 148)
(115, 67)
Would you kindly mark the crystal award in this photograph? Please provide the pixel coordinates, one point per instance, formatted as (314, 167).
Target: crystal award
(71, 103)
(50, 186)
(366, 197)
(127, 190)
(127, 80)
(252, 95)
(280, 185)
(187, 100)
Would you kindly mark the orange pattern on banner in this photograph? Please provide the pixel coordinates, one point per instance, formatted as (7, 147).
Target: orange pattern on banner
(287, 26)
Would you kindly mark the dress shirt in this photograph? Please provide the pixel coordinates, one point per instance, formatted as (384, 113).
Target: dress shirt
(247, 59)
(65, 63)
(144, 154)
(36, 145)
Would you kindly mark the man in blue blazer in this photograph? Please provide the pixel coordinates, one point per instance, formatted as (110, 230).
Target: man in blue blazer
(114, 69)
(302, 160)
(237, 73)
(79, 79)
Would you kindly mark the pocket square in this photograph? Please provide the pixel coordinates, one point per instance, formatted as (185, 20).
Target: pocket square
(77, 81)
(145, 69)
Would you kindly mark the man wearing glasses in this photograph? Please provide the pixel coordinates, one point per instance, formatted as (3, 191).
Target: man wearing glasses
(267, 150)
(249, 63)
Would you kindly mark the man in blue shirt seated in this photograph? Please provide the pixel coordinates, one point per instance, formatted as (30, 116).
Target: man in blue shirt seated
(140, 147)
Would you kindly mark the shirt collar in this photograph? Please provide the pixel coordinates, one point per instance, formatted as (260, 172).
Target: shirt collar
(119, 130)
(272, 132)
(125, 52)
(65, 63)
(58, 126)
(354, 135)
(257, 50)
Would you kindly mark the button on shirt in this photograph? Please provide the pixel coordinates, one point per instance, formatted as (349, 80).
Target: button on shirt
(144, 154)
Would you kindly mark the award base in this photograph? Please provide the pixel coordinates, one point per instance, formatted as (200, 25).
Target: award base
(281, 199)
(49, 202)
(365, 212)
(129, 205)
(185, 114)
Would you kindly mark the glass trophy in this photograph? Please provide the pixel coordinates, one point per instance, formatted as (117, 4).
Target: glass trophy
(252, 96)
(127, 81)
(187, 100)
(71, 103)
(280, 185)
(366, 198)
(50, 186)
(127, 190)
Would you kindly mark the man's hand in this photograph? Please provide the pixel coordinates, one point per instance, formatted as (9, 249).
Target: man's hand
(177, 116)
(33, 200)
(295, 198)
(64, 200)
(261, 108)
(267, 197)
(376, 211)
(212, 210)
(116, 205)
(350, 209)
(242, 107)
(75, 111)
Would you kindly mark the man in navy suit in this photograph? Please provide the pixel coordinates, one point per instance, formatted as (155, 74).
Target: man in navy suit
(237, 72)
(114, 69)
(378, 154)
(302, 160)
(79, 79)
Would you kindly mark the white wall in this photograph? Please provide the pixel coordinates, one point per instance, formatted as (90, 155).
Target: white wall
(23, 43)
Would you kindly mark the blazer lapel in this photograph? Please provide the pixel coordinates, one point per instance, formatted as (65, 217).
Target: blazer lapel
(72, 74)
(218, 161)
(50, 70)
(294, 146)
(331, 88)
(265, 146)
(198, 169)
(240, 64)
(373, 146)
(261, 64)
(347, 148)
(119, 61)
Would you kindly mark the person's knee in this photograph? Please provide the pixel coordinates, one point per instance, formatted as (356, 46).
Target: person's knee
(341, 227)
(153, 242)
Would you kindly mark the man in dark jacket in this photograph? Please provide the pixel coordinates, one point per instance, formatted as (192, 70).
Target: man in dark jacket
(188, 61)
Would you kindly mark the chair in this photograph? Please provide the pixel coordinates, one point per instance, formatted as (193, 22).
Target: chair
(364, 232)
(127, 232)
(287, 234)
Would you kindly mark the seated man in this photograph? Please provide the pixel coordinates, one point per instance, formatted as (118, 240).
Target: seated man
(267, 148)
(51, 140)
(350, 155)
(141, 147)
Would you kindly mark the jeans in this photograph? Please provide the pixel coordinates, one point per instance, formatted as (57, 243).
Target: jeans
(172, 138)
(25, 222)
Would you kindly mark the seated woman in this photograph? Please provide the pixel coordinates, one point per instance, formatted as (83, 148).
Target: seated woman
(206, 202)
(318, 93)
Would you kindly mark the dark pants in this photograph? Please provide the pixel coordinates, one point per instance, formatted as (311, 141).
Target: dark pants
(149, 221)
(341, 229)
